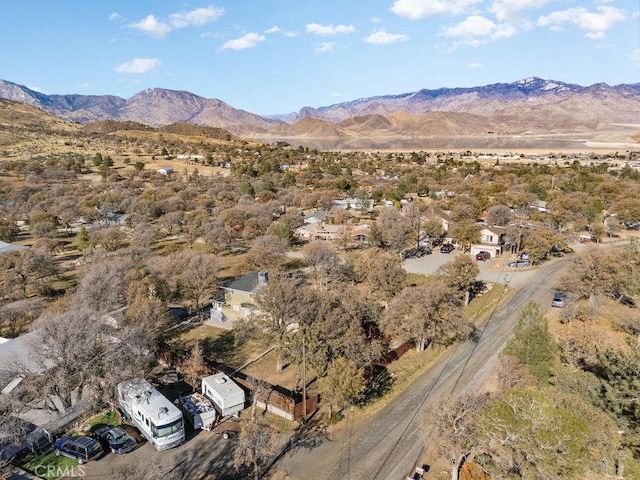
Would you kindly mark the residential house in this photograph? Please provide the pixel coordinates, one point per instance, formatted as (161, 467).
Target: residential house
(358, 234)
(491, 240)
(315, 217)
(365, 205)
(237, 300)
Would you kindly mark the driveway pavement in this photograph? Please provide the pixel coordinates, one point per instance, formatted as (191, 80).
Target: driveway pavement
(491, 271)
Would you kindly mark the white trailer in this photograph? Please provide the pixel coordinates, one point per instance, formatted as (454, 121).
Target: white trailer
(227, 397)
(198, 410)
(159, 420)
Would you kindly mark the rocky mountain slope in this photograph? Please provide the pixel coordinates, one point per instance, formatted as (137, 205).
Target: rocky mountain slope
(532, 106)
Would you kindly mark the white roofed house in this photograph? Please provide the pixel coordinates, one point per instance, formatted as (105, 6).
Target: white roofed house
(491, 240)
(236, 299)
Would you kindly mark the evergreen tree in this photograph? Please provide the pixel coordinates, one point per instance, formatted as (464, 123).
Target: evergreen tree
(532, 343)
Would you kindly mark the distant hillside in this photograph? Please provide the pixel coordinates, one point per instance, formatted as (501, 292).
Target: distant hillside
(156, 107)
(619, 102)
(529, 107)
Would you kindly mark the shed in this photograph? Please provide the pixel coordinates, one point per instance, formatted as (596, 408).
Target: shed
(165, 170)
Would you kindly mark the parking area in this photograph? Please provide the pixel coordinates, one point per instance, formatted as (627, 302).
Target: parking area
(202, 454)
(493, 270)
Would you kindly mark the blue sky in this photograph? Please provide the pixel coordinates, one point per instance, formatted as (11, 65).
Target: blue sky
(277, 56)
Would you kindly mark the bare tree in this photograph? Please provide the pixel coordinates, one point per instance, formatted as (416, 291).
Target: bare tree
(280, 303)
(499, 215)
(154, 468)
(257, 443)
(194, 366)
(425, 314)
(456, 423)
(391, 230)
(266, 253)
(320, 256)
(380, 270)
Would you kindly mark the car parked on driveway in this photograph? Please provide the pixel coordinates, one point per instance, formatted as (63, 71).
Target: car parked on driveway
(483, 256)
(558, 300)
(519, 263)
(81, 448)
(115, 438)
(447, 248)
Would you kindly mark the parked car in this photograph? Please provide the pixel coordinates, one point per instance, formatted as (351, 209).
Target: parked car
(415, 252)
(81, 448)
(483, 255)
(558, 300)
(447, 248)
(115, 438)
(519, 263)
(558, 250)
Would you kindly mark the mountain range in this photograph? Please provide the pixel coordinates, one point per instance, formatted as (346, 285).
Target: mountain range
(528, 107)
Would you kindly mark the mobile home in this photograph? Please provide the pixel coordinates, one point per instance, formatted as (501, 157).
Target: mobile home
(226, 395)
(159, 420)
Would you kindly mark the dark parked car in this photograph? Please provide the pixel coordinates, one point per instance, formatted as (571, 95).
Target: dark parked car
(558, 300)
(115, 439)
(447, 248)
(81, 448)
(483, 255)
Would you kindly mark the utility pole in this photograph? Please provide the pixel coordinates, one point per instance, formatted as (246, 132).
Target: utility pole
(304, 384)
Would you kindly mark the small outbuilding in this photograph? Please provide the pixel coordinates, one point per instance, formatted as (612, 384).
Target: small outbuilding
(165, 170)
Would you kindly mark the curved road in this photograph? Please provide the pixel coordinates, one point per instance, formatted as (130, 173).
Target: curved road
(388, 445)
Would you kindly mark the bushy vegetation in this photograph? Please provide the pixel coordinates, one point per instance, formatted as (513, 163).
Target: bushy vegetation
(109, 235)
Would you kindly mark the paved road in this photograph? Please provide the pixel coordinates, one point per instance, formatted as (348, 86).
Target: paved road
(387, 445)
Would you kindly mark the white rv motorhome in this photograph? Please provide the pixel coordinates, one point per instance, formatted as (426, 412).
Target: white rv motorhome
(159, 420)
(226, 395)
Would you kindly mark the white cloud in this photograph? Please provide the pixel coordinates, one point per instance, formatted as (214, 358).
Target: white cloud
(416, 9)
(596, 24)
(635, 56)
(324, 47)
(477, 30)
(139, 65)
(199, 16)
(510, 9)
(35, 89)
(250, 40)
(473, 65)
(375, 20)
(276, 29)
(84, 85)
(318, 29)
(381, 37)
(336, 95)
(150, 25)
(115, 16)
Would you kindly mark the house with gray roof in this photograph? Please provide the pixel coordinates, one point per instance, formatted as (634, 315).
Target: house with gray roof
(237, 300)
